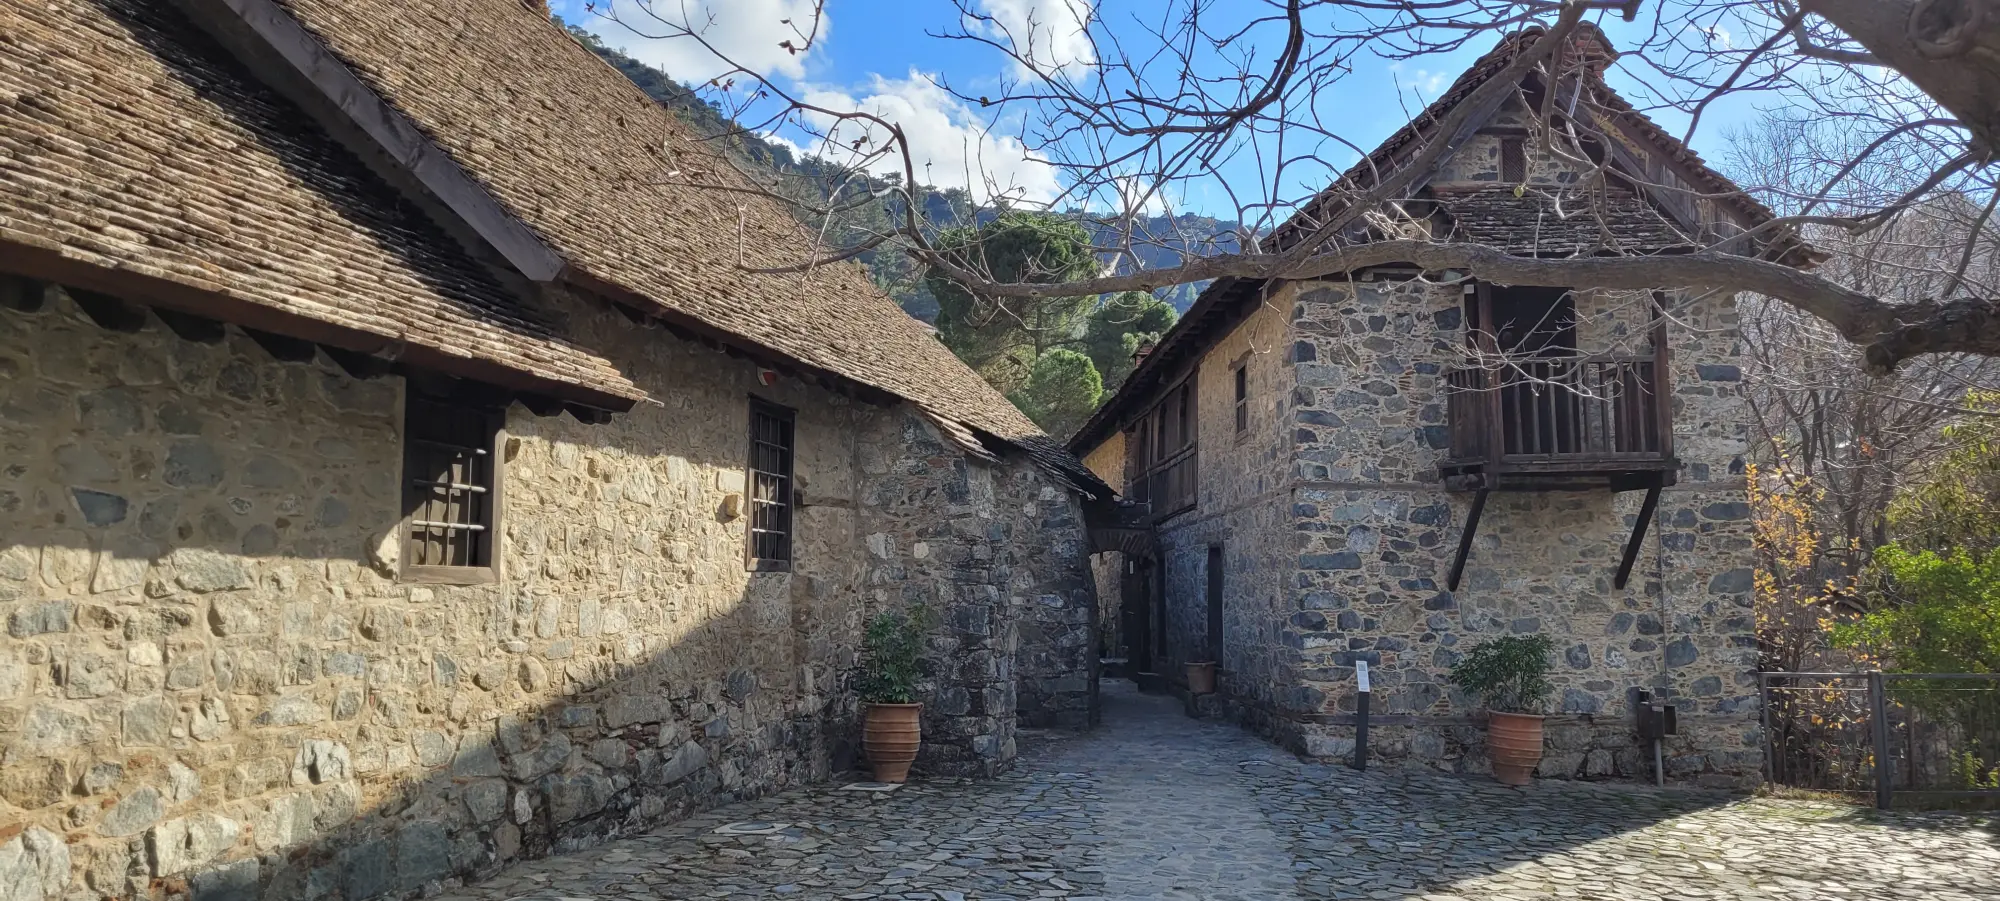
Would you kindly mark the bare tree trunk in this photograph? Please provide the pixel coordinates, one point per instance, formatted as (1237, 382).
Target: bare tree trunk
(1948, 48)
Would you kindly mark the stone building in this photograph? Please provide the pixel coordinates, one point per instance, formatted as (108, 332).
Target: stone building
(399, 474)
(1391, 465)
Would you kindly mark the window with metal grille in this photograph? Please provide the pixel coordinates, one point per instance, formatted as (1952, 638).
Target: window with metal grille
(1513, 161)
(1242, 376)
(770, 488)
(451, 489)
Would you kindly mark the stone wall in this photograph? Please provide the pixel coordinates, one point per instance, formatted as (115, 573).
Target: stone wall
(1377, 533)
(1107, 461)
(1000, 557)
(213, 680)
(1241, 508)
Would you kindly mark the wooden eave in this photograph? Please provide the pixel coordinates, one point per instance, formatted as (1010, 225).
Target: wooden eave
(178, 296)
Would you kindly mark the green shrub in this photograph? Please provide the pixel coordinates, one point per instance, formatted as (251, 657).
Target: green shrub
(1510, 675)
(892, 654)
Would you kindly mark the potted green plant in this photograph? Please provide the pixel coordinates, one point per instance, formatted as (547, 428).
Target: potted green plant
(892, 653)
(1511, 677)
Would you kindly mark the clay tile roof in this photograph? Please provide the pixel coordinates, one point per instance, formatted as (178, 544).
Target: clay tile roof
(1479, 216)
(131, 143)
(1541, 223)
(598, 171)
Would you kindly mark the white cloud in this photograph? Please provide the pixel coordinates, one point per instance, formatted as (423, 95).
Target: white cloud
(1424, 82)
(787, 143)
(1052, 34)
(1719, 37)
(949, 143)
(1128, 195)
(750, 33)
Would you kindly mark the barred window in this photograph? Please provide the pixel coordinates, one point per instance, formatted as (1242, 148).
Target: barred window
(451, 489)
(770, 489)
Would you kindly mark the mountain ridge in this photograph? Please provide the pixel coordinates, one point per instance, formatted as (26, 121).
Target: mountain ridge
(892, 270)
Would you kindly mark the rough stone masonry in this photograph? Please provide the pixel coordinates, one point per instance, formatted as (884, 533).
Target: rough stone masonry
(213, 683)
(1335, 531)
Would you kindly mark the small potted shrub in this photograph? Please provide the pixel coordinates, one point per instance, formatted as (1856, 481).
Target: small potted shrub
(1511, 677)
(891, 658)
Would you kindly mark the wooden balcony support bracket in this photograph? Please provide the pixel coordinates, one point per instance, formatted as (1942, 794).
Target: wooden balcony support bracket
(1465, 538)
(1638, 539)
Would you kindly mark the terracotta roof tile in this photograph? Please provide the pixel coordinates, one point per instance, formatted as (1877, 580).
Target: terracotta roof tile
(1479, 216)
(130, 141)
(1540, 223)
(598, 170)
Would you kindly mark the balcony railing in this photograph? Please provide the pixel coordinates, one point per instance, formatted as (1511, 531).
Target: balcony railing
(1559, 415)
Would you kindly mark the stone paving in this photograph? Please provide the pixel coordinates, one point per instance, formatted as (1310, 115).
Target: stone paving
(1157, 806)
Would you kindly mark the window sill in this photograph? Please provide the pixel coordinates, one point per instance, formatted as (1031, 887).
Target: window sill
(769, 566)
(449, 575)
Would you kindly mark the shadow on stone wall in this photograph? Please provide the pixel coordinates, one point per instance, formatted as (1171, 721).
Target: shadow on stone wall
(186, 710)
(238, 794)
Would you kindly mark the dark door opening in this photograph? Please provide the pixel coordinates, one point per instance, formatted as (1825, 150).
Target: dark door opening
(1215, 575)
(1135, 608)
(1531, 335)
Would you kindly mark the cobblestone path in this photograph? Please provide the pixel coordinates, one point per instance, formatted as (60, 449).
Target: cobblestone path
(1157, 806)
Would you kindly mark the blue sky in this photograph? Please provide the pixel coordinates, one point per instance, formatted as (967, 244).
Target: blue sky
(880, 55)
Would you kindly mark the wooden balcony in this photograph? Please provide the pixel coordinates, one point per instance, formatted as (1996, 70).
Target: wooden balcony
(1556, 423)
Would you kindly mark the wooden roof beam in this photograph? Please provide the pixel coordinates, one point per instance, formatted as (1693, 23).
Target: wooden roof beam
(291, 61)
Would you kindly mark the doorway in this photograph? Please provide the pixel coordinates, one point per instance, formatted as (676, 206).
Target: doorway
(1530, 335)
(1136, 611)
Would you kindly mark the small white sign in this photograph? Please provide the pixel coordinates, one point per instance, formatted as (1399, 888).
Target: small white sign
(1361, 673)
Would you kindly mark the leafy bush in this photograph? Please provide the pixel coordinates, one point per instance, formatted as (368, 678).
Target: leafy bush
(1510, 675)
(1941, 613)
(1970, 773)
(892, 654)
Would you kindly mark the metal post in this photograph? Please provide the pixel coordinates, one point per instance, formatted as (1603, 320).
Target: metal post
(1764, 724)
(1361, 715)
(1878, 702)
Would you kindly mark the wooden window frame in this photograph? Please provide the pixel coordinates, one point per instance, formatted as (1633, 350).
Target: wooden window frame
(1239, 386)
(489, 571)
(752, 562)
(1171, 449)
(1215, 601)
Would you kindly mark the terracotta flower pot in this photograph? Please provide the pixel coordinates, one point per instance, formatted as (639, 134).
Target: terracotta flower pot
(891, 733)
(1514, 741)
(1201, 678)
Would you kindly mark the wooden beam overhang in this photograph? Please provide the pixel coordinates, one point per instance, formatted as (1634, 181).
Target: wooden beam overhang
(283, 348)
(198, 329)
(23, 294)
(163, 294)
(110, 312)
(291, 61)
(359, 365)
